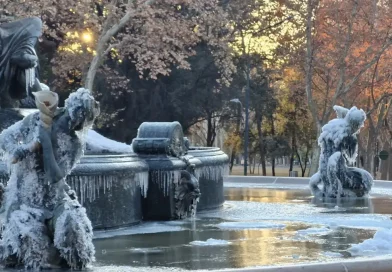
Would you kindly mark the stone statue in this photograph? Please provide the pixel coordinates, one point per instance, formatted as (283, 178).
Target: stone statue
(43, 223)
(18, 60)
(339, 147)
(187, 193)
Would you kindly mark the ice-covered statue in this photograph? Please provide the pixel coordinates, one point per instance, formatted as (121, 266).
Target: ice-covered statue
(43, 224)
(339, 146)
(18, 60)
(186, 193)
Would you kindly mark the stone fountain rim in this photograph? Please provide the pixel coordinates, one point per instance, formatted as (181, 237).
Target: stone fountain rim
(270, 180)
(376, 264)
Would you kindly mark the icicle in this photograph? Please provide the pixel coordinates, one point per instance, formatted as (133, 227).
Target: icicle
(142, 180)
(32, 77)
(81, 190)
(27, 75)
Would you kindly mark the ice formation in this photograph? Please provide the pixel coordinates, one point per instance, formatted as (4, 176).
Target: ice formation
(339, 146)
(44, 224)
(185, 186)
(89, 187)
(380, 244)
(211, 242)
(212, 172)
(100, 144)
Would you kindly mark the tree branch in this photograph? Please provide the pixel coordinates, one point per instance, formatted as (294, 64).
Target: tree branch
(375, 106)
(104, 40)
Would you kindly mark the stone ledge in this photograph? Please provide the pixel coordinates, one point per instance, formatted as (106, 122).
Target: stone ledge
(357, 265)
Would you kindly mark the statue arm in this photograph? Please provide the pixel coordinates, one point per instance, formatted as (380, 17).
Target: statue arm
(12, 140)
(54, 172)
(24, 60)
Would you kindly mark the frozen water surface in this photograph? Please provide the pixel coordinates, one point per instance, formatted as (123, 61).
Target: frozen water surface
(258, 225)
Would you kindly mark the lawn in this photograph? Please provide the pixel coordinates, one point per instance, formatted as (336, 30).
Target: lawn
(280, 171)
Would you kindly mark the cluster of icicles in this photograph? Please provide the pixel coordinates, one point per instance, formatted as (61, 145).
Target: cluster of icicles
(30, 79)
(90, 187)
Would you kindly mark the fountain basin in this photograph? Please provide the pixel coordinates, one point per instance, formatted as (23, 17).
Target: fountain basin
(119, 188)
(213, 168)
(266, 224)
(211, 165)
(111, 187)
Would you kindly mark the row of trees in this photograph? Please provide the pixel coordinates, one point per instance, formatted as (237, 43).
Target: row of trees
(185, 60)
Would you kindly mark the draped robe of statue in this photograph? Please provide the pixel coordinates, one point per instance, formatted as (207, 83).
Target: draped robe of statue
(18, 60)
(42, 223)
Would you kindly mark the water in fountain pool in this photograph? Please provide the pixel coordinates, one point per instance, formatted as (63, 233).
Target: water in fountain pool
(256, 227)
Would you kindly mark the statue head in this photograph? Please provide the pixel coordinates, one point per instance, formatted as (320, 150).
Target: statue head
(354, 117)
(18, 59)
(342, 131)
(190, 184)
(82, 109)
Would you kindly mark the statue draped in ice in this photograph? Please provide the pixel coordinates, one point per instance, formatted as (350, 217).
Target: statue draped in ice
(339, 146)
(18, 60)
(43, 223)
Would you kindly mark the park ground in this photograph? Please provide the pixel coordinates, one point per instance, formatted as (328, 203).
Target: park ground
(280, 171)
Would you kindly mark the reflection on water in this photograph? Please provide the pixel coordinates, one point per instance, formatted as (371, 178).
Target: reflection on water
(267, 195)
(241, 247)
(379, 204)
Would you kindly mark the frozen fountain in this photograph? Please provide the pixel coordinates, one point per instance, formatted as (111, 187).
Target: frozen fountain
(162, 179)
(339, 147)
(267, 223)
(59, 179)
(167, 153)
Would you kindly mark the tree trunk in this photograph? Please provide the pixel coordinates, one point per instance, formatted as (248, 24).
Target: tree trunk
(360, 162)
(254, 165)
(261, 143)
(314, 163)
(370, 151)
(384, 169)
(390, 162)
(273, 136)
(211, 130)
(233, 154)
(103, 40)
(311, 5)
(273, 167)
(291, 162)
(306, 162)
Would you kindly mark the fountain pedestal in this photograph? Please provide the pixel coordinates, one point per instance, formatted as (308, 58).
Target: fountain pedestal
(165, 150)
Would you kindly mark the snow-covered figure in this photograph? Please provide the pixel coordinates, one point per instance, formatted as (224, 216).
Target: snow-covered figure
(187, 193)
(339, 146)
(43, 223)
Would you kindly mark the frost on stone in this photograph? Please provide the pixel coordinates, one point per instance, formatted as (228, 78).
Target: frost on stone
(96, 143)
(73, 235)
(43, 223)
(339, 147)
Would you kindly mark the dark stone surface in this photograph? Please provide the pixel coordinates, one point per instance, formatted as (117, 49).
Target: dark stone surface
(160, 138)
(213, 166)
(109, 187)
(163, 172)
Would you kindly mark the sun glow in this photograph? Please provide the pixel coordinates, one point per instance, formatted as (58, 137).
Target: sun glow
(87, 37)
